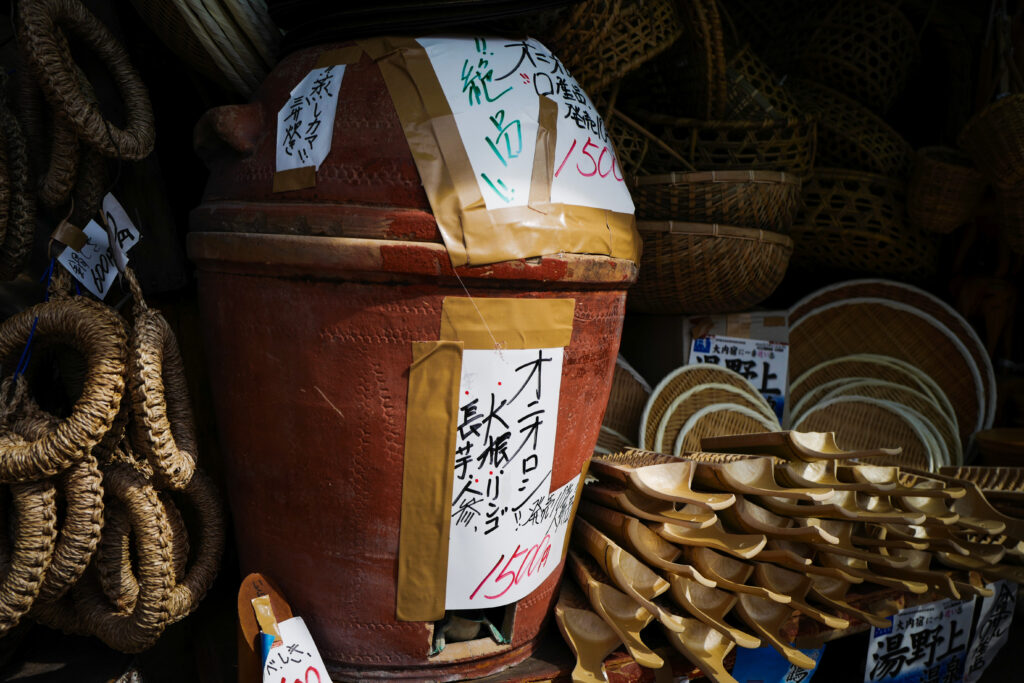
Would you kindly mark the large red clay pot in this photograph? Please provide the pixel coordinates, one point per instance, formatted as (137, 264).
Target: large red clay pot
(309, 333)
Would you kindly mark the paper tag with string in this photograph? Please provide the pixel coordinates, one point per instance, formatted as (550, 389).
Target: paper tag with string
(95, 264)
(122, 234)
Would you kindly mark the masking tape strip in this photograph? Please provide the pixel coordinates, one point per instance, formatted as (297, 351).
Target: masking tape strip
(295, 179)
(69, 235)
(343, 55)
(738, 325)
(510, 323)
(473, 234)
(265, 616)
(431, 419)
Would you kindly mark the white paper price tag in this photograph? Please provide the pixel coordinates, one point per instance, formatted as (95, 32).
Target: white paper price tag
(95, 266)
(122, 234)
(994, 616)
(765, 364)
(295, 658)
(507, 526)
(305, 124)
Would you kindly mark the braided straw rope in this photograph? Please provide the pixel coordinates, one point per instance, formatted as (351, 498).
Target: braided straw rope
(96, 332)
(21, 206)
(39, 28)
(35, 531)
(163, 429)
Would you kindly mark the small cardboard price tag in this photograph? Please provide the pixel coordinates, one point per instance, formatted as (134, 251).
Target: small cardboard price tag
(122, 234)
(294, 659)
(765, 364)
(94, 265)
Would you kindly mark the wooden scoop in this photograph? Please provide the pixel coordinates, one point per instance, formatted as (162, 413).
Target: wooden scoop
(796, 586)
(710, 606)
(877, 536)
(705, 647)
(781, 552)
(843, 505)
(992, 553)
(845, 547)
(729, 574)
(927, 485)
(791, 445)
(917, 570)
(976, 513)
(934, 508)
(860, 568)
(658, 476)
(618, 610)
(755, 476)
(990, 571)
(587, 635)
(743, 546)
(766, 619)
(747, 516)
(816, 473)
(832, 592)
(634, 503)
(936, 537)
(630, 533)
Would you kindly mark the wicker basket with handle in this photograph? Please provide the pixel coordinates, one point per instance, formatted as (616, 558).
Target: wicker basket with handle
(944, 189)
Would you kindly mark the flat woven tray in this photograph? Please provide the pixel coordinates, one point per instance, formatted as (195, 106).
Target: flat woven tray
(885, 327)
(766, 200)
(721, 419)
(926, 302)
(684, 406)
(706, 268)
(678, 382)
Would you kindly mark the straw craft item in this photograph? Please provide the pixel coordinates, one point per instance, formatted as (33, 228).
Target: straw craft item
(767, 144)
(944, 189)
(688, 403)
(721, 419)
(702, 51)
(849, 134)
(766, 200)
(681, 381)
(17, 203)
(33, 520)
(627, 399)
(39, 26)
(603, 41)
(854, 221)
(997, 483)
(54, 143)
(1010, 217)
(994, 138)
(924, 301)
(862, 47)
(754, 91)
(611, 441)
(639, 151)
(706, 268)
(880, 326)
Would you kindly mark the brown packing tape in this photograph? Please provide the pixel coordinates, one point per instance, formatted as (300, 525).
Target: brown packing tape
(774, 321)
(295, 179)
(70, 235)
(431, 419)
(509, 323)
(473, 234)
(738, 325)
(342, 55)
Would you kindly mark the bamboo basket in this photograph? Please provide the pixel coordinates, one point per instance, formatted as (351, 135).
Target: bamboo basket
(686, 404)
(720, 419)
(639, 151)
(702, 78)
(944, 189)
(994, 138)
(767, 200)
(627, 399)
(754, 91)
(850, 134)
(1010, 217)
(706, 268)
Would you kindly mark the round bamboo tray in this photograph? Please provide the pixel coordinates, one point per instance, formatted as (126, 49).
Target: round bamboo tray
(627, 399)
(881, 326)
(686, 404)
(754, 91)
(720, 419)
(706, 268)
(677, 383)
(865, 423)
(994, 138)
(611, 441)
(767, 200)
(944, 189)
(864, 48)
(918, 298)
(855, 222)
(849, 134)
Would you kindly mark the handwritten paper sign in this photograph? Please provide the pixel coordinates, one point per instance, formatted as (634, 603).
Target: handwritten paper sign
(493, 87)
(95, 265)
(507, 526)
(927, 642)
(766, 665)
(765, 364)
(294, 659)
(305, 124)
(992, 630)
(122, 234)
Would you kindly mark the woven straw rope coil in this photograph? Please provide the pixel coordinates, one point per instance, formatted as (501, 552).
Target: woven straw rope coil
(925, 301)
(627, 398)
(944, 189)
(994, 138)
(916, 401)
(754, 91)
(19, 205)
(849, 134)
(866, 423)
(855, 221)
(810, 386)
(765, 200)
(862, 47)
(769, 144)
(865, 325)
(54, 145)
(678, 382)
(720, 419)
(25, 559)
(97, 333)
(686, 404)
(706, 268)
(39, 24)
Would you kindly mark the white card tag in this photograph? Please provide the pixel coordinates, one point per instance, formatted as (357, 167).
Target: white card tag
(764, 364)
(305, 124)
(122, 234)
(95, 265)
(294, 659)
(924, 642)
(993, 630)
